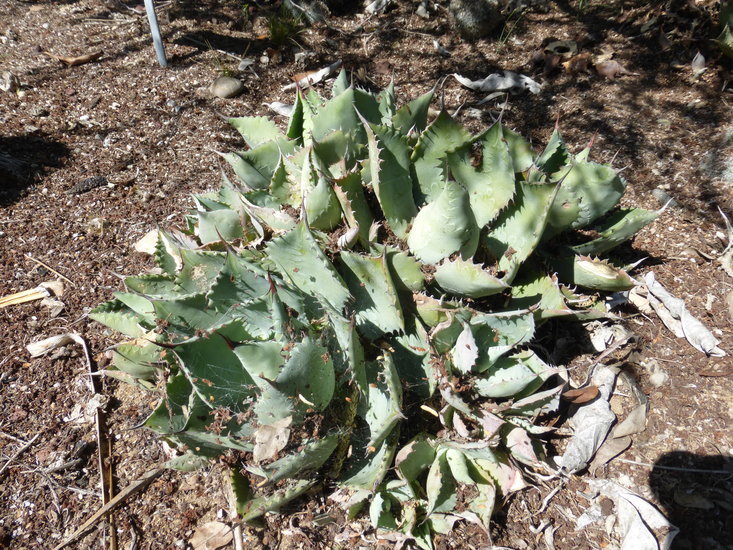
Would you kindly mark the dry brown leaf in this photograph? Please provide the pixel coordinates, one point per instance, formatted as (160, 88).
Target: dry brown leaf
(579, 63)
(716, 370)
(611, 69)
(211, 536)
(581, 395)
(610, 449)
(276, 56)
(78, 60)
(271, 439)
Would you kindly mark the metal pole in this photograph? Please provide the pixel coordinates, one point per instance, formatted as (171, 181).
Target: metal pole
(155, 31)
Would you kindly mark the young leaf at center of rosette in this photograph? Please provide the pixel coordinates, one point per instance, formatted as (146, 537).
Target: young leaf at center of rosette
(491, 185)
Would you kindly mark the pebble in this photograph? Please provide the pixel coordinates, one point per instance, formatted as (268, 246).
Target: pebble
(663, 197)
(87, 185)
(9, 82)
(729, 302)
(226, 86)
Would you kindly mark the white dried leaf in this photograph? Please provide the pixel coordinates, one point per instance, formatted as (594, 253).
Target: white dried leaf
(314, 77)
(698, 64)
(440, 49)
(638, 521)
(465, 351)
(693, 330)
(280, 108)
(592, 422)
(377, 6)
(633, 424)
(508, 82)
(36, 349)
(348, 239)
(146, 244)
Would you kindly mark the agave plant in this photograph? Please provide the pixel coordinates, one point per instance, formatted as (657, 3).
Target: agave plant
(357, 308)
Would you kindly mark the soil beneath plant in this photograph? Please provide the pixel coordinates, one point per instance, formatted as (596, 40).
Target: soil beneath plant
(153, 133)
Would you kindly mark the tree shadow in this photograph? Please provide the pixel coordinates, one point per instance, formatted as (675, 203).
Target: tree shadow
(23, 159)
(696, 494)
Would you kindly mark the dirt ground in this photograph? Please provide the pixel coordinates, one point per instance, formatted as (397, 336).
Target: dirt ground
(153, 133)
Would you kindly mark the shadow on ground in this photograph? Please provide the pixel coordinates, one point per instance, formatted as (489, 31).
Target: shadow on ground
(23, 160)
(696, 494)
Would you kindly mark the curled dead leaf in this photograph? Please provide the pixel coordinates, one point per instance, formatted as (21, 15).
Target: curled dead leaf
(578, 64)
(77, 60)
(581, 395)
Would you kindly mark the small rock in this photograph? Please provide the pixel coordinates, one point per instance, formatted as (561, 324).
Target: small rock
(729, 301)
(422, 10)
(9, 82)
(475, 19)
(87, 185)
(39, 112)
(664, 198)
(226, 86)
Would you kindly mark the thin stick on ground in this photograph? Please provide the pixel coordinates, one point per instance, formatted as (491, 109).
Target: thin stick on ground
(19, 452)
(52, 270)
(93, 521)
(676, 468)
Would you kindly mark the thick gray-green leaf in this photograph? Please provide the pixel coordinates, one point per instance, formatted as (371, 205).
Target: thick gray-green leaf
(261, 360)
(466, 279)
(413, 362)
(215, 372)
(593, 188)
(440, 486)
(430, 156)
(491, 185)
(519, 150)
(121, 318)
(376, 304)
(413, 117)
(382, 407)
(498, 334)
(519, 228)
(199, 271)
(172, 413)
(219, 224)
(380, 512)
(367, 465)
(314, 454)
(443, 226)
(615, 229)
(414, 458)
(239, 281)
(301, 260)
(509, 376)
(308, 374)
(389, 166)
(257, 130)
(138, 361)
